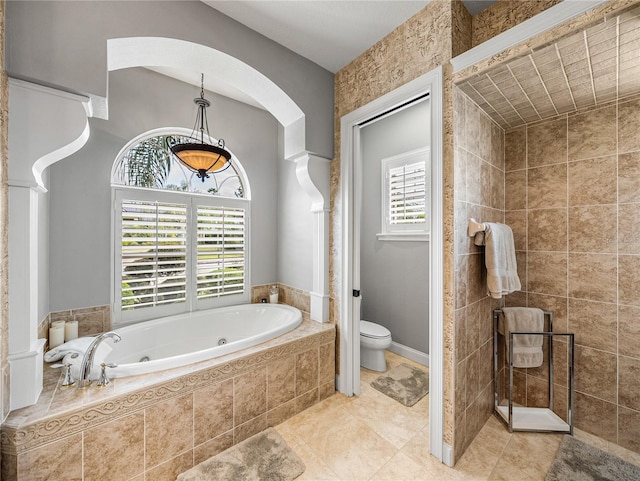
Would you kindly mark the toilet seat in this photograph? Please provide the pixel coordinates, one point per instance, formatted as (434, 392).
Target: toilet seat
(373, 330)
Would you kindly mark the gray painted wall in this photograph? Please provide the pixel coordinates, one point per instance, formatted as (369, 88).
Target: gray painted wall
(64, 44)
(80, 189)
(394, 275)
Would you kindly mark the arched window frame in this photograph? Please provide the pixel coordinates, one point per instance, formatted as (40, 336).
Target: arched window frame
(193, 204)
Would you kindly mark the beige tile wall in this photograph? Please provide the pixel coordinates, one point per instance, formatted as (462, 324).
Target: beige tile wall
(479, 193)
(178, 423)
(573, 200)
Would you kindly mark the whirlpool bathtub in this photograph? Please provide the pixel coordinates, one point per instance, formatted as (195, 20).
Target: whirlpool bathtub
(187, 338)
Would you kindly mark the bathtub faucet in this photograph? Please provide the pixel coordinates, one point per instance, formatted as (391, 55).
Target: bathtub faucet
(87, 360)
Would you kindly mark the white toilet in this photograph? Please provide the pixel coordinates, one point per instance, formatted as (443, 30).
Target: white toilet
(374, 339)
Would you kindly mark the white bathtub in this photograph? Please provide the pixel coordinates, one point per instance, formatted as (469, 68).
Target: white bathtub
(187, 338)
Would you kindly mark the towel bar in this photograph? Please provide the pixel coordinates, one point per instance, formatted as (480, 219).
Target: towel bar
(475, 227)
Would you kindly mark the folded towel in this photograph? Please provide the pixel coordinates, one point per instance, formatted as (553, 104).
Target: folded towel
(527, 349)
(500, 259)
(78, 346)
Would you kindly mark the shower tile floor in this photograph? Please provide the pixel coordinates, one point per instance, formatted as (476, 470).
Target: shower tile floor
(372, 437)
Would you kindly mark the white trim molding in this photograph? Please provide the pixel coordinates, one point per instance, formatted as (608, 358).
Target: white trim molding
(46, 126)
(214, 64)
(546, 20)
(349, 379)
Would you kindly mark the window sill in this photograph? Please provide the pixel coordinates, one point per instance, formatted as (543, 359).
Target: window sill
(404, 237)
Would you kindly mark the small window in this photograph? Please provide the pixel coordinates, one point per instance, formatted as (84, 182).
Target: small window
(405, 195)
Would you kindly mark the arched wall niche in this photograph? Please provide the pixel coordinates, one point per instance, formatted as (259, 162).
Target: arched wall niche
(28, 181)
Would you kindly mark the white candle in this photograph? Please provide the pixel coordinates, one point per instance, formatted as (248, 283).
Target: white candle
(56, 336)
(57, 323)
(273, 294)
(70, 330)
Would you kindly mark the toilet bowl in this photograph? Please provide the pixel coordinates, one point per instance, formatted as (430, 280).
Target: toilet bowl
(374, 339)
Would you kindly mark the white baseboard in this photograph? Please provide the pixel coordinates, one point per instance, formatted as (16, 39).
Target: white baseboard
(447, 454)
(410, 353)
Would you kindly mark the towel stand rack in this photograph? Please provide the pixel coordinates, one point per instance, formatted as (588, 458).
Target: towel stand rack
(475, 227)
(533, 419)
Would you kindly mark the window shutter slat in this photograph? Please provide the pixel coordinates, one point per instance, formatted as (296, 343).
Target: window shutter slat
(221, 251)
(406, 194)
(154, 253)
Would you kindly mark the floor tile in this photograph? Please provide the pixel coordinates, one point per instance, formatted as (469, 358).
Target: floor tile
(349, 459)
(401, 468)
(478, 461)
(315, 468)
(373, 437)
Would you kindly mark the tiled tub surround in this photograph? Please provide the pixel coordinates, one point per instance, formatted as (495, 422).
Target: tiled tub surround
(94, 320)
(289, 295)
(158, 425)
(91, 320)
(573, 201)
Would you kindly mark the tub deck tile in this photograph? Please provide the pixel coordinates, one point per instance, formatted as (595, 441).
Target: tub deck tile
(62, 412)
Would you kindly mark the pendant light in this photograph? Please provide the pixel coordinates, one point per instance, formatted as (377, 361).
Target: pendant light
(198, 156)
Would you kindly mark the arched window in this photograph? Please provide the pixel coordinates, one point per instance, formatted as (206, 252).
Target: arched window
(180, 243)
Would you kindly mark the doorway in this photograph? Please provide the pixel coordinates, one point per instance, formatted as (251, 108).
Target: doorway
(394, 226)
(429, 85)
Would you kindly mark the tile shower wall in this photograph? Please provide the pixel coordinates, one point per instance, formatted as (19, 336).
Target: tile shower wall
(573, 201)
(479, 193)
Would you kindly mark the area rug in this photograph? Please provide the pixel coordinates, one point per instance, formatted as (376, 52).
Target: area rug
(578, 461)
(263, 457)
(404, 383)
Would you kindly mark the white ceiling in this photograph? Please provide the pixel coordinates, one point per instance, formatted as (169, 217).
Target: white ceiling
(330, 33)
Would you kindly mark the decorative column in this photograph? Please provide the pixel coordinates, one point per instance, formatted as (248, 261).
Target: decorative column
(46, 126)
(312, 172)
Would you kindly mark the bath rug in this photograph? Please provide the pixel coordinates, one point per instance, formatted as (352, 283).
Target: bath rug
(404, 383)
(578, 461)
(263, 457)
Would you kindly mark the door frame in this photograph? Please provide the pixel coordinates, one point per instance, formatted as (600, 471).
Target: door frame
(348, 382)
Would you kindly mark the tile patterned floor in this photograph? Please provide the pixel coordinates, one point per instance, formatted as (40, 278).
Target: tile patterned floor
(372, 437)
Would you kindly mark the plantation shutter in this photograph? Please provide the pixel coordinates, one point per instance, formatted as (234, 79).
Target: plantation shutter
(406, 194)
(154, 253)
(220, 251)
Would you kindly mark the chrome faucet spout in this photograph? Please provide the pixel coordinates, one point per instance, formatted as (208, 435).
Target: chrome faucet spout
(87, 360)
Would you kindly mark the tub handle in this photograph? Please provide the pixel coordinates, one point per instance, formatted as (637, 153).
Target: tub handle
(103, 380)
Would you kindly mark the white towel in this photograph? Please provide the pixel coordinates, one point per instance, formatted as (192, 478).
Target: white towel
(500, 259)
(78, 346)
(527, 349)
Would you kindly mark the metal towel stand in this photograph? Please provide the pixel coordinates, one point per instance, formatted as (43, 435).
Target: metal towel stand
(529, 418)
